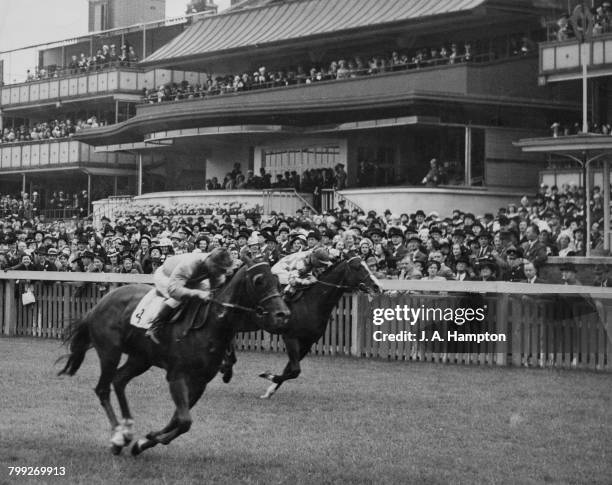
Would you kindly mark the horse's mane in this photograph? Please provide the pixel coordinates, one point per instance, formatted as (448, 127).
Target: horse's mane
(336, 264)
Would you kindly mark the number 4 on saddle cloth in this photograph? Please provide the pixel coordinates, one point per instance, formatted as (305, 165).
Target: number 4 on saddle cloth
(151, 304)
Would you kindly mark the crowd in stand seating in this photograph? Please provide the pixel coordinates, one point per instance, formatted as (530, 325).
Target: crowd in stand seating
(106, 57)
(26, 207)
(345, 68)
(512, 244)
(310, 181)
(48, 130)
(599, 17)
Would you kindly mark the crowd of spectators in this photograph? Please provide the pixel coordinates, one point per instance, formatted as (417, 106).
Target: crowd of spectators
(26, 207)
(598, 19)
(106, 57)
(48, 130)
(345, 68)
(566, 129)
(512, 244)
(310, 181)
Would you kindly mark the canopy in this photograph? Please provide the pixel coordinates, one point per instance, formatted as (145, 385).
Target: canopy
(295, 19)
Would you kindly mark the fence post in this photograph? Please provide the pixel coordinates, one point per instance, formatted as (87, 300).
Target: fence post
(356, 326)
(10, 313)
(502, 327)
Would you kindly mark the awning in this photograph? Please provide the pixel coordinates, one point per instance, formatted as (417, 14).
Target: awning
(255, 27)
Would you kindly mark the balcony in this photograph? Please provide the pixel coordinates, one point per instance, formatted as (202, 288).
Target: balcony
(562, 61)
(75, 86)
(515, 84)
(56, 154)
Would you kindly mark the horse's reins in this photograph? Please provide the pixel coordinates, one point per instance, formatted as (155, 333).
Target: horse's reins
(257, 309)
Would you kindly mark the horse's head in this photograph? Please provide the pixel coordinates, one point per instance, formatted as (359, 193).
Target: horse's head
(262, 292)
(357, 275)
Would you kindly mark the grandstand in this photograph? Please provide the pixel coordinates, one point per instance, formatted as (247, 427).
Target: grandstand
(396, 107)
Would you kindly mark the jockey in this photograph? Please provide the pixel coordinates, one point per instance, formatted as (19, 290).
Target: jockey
(186, 276)
(305, 271)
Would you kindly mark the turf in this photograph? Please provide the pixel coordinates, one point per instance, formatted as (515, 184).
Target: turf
(343, 421)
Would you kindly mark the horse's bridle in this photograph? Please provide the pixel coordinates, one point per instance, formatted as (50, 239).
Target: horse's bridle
(258, 310)
(359, 287)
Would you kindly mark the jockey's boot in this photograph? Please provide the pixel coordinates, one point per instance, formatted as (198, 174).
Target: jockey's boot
(158, 322)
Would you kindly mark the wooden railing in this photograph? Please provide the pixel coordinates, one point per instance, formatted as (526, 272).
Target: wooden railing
(544, 325)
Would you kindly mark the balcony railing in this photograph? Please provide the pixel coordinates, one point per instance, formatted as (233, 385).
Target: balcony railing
(55, 153)
(515, 77)
(563, 60)
(74, 84)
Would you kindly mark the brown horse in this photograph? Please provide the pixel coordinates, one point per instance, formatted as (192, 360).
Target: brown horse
(309, 317)
(191, 360)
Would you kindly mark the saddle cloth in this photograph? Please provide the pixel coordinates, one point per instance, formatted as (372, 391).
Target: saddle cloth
(146, 310)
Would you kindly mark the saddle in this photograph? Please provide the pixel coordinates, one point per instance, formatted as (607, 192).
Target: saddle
(183, 318)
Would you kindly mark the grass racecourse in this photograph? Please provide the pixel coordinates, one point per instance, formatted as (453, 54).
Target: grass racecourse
(343, 421)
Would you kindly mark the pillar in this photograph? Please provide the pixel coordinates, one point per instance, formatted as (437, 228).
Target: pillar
(139, 191)
(468, 156)
(587, 207)
(23, 183)
(88, 193)
(606, 203)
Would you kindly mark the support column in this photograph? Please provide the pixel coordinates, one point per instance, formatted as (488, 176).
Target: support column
(467, 162)
(23, 182)
(88, 193)
(606, 203)
(139, 191)
(115, 185)
(116, 111)
(587, 207)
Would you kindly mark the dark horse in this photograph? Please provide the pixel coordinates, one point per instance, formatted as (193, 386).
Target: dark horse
(190, 359)
(310, 316)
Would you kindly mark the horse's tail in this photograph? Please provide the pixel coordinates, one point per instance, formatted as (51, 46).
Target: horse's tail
(80, 342)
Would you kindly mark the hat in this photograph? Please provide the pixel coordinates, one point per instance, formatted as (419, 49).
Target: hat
(52, 252)
(299, 237)
(395, 231)
(420, 212)
(87, 254)
(488, 263)
(314, 234)
(512, 249)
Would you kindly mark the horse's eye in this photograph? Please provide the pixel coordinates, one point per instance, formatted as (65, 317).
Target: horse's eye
(258, 280)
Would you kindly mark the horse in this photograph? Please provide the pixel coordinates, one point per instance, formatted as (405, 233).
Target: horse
(309, 317)
(191, 359)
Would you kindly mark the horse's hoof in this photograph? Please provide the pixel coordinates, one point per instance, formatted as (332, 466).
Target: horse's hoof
(266, 375)
(136, 449)
(227, 376)
(116, 449)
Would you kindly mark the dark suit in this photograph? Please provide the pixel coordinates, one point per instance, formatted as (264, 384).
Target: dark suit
(536, 253)
(394, 254)
(463, 277)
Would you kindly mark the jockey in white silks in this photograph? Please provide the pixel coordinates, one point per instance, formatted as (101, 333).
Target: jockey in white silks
(186, 276)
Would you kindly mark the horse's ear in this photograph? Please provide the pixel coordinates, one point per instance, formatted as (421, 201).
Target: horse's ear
(244, 256)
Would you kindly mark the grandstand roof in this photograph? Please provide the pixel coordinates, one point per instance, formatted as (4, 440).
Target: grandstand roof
(277, 22)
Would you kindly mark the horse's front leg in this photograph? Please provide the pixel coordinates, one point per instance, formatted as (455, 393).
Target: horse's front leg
(295, 351)
(174, 428)
(229, 360)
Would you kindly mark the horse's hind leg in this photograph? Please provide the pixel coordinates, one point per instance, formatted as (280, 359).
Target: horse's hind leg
(108, 365)
(132, 368)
